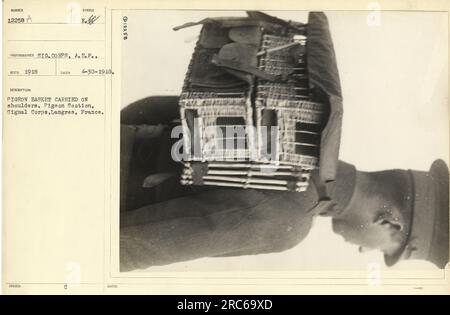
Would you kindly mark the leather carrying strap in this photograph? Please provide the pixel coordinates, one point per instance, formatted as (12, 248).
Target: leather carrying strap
(236, 65)
(255, 18)
(222, 22)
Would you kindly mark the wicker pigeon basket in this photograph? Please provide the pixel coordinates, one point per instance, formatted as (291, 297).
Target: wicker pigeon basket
(250, 115)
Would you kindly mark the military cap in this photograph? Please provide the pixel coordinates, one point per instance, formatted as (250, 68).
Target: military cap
(428, 237)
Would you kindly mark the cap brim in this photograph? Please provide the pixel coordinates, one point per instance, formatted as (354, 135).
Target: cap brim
(439, 252)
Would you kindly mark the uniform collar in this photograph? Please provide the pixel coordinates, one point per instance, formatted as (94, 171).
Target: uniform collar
(334, 196)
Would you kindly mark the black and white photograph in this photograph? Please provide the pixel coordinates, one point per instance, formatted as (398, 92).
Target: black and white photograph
(284, 141)
(225, 155)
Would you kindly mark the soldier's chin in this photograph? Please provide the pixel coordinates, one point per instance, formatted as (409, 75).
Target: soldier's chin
(345, 231)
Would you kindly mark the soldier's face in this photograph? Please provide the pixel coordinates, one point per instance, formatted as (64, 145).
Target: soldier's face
(374, 222)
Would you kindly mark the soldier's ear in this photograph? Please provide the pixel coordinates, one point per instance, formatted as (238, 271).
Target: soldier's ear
(389, 221)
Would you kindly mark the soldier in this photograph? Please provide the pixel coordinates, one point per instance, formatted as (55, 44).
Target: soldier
(402, 213)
